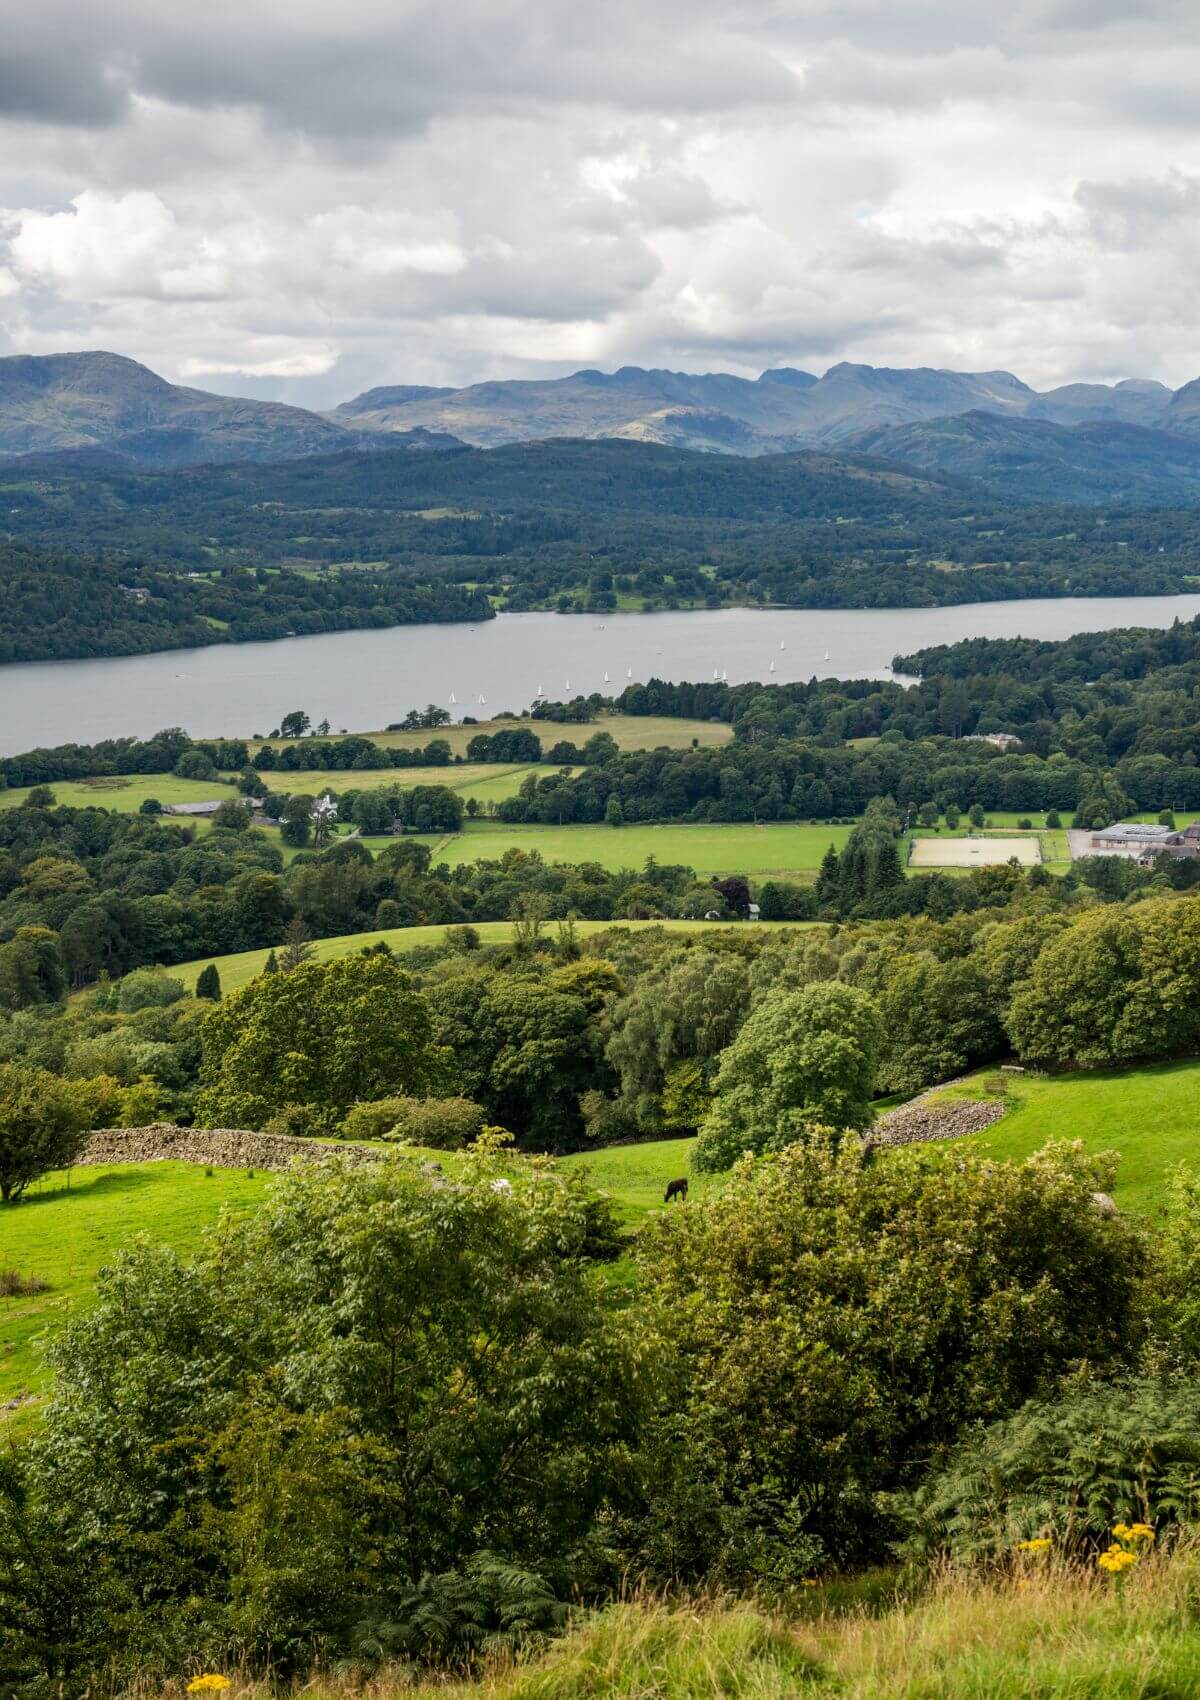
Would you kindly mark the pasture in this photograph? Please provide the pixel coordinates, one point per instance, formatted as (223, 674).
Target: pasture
(69, 1226)
(631, 732)
(1146, 1114)
(788, 851)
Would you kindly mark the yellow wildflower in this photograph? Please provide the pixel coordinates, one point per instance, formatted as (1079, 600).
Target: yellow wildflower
(1042, 1544)
(1115, 1560)
(212, 1682)
(1141, 1532)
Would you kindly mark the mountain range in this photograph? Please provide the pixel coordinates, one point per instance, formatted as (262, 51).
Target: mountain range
(1132, 441)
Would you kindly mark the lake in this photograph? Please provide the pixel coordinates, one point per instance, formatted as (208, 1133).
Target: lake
(363, 680)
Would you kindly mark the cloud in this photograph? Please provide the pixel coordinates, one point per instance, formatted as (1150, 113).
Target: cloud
(304, 200)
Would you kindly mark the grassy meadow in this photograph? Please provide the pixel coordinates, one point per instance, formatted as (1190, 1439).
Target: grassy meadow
(1146, 1114)
(776, 851)
(69, 1226)
(631, 732)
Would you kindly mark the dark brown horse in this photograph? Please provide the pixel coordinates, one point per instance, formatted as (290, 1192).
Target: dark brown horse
(676, 1189)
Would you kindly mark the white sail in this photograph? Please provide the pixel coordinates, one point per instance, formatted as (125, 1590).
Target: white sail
(606, 678)
(453, 698)
(629, 672)
(782, 645)
(827, 655)
(771, 668)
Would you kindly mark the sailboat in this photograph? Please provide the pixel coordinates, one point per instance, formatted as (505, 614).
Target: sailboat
(716, 675)
(724, 675)
(771, 668)
(606, 678)
(827, 655)
(482, 698)
(629, 672)
(453, 698)
(782, 645)
(538, 694)
(567, 686)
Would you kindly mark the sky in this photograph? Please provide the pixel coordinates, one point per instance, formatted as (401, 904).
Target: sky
(301, 200)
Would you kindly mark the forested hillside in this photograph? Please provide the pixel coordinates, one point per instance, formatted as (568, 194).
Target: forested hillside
(397, 536)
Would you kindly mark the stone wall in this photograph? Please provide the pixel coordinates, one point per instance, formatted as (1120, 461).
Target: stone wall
(218, 1147)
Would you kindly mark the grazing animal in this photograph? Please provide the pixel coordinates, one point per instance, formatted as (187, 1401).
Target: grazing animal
(676, 1189)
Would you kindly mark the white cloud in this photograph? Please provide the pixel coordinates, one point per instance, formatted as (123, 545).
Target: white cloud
(304, 200)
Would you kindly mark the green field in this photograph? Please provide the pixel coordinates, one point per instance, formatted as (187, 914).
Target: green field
(127, 793)
(1147, 1114)
(65, 1232)
(68, 1227)
(631, 731)
(777, 851)
(243, 966)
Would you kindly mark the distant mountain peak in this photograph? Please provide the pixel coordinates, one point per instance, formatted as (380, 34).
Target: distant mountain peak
(51, 403)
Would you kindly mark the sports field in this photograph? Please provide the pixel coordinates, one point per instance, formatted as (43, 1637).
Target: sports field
(981, 850)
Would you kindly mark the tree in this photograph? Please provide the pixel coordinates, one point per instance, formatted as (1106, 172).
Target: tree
(297, 946)
(927, 814)
(321, 1037)
(802, 1059)
(271, 965)
(736, 893)
(232, 816)
(687, 1008)
(42, 1126)
(614, 814)
(976, 814)
(953, 815)
(295, 724)
(208, 983)
(195, 764)
(295, 828)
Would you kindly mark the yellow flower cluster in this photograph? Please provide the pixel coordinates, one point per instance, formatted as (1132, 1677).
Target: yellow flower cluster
(1130, 1541)
(1042, 1544)
(210, 1683)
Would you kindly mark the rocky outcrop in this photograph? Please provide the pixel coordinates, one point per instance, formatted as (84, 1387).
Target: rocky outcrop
(218, 1147)
(922, 1119)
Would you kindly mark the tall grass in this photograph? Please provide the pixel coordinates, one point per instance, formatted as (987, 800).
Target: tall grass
(1050, 1632)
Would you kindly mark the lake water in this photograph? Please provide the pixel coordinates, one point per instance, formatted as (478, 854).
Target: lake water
(363, 680)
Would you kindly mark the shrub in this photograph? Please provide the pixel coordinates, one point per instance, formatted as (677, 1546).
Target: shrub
(146, 987)
(371, 1380)
(827, 1319)
(1067, 1468)
(42, 1125)
(446, 1124)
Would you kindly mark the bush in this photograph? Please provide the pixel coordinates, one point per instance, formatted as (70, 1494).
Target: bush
(446, 1124)
(827, 1320)
(371, 1380)
(146, 987)
(43, 1121)
(1067, 1468)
